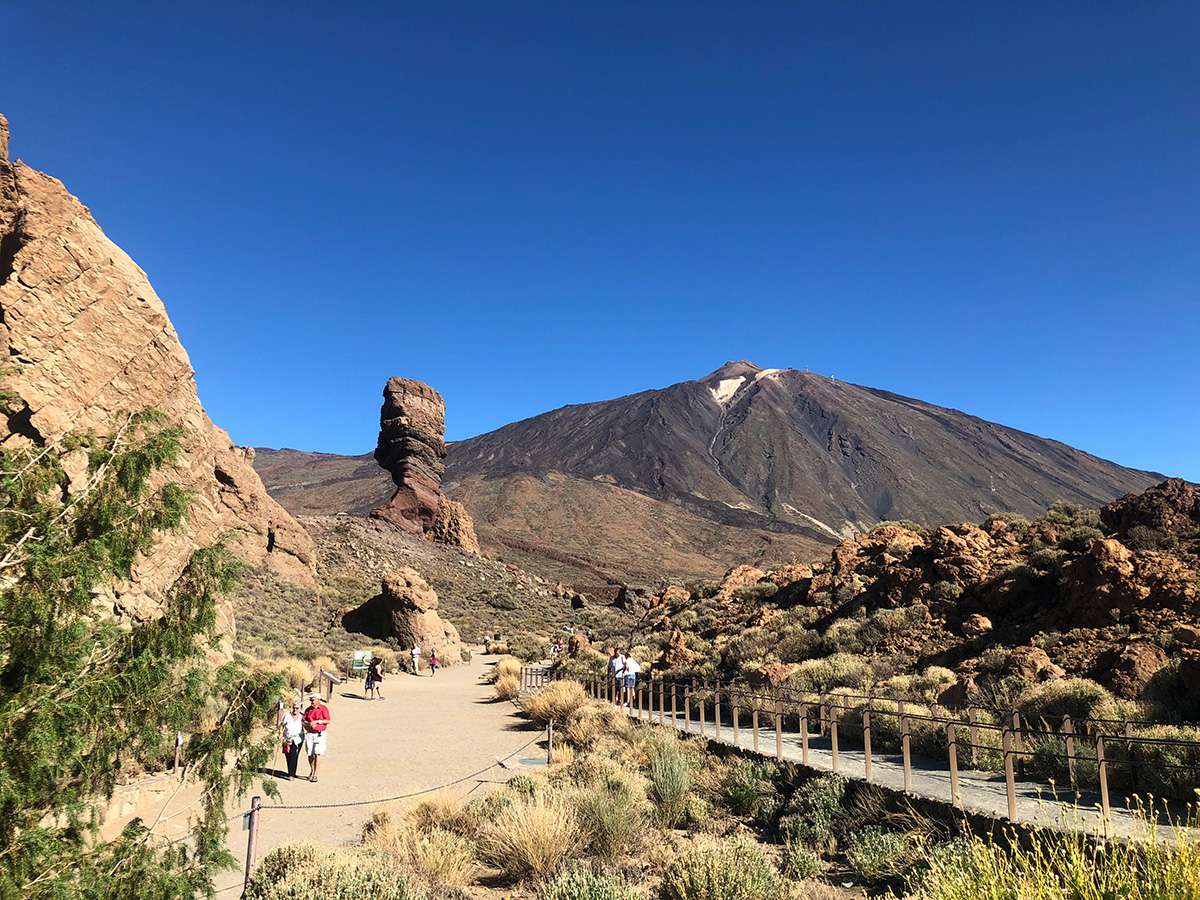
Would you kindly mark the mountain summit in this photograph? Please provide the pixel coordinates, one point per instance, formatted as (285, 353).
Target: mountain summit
(744, 463)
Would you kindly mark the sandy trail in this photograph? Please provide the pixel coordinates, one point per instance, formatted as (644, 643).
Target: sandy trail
(429, 730)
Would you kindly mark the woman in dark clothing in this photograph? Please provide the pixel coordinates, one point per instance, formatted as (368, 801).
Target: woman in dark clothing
(374, 677)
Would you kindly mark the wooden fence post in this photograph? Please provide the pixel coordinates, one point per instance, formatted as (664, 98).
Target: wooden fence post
(736, 713)
(952, 751)
(1010, 785)
(674, 706)
(641, 700)
(804, 733)
(1018, 744)
(866, 726)
(833, 734)
(779, 730)
(754, 725)
(550, 742)
(251, 840)
(717, 710)
(904, 749)
(1102, 775)
(687, 708)
(700, 697)
(973, 760)
(662, 701)
(1068, 728)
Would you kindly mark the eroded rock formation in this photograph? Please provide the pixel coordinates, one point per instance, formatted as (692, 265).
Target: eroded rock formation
(86, 340)
(411, 446)
(405, 610)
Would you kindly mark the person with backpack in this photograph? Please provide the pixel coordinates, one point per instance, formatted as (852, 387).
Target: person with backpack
(374, 678)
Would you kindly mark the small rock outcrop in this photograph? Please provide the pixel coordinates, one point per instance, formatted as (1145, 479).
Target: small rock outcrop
(412, 447)
(86, 340)
(405, 610)
(1171, 507)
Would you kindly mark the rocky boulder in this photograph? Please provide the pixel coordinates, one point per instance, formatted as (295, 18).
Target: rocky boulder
(976, 625)
(1032, 664)
(412, 447)
(737, 578)
(86, 340)
(1171, 507)
(1128, 670)
(405, 611)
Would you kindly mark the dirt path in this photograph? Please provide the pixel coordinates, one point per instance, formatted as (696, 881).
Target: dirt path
(429, 730)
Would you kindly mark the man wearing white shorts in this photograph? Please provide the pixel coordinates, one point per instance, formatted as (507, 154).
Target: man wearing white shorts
(316, 720)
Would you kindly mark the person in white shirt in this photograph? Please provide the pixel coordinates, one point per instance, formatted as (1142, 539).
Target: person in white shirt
(416, 660)
(616, 670)
(632, 669)
(292, 731)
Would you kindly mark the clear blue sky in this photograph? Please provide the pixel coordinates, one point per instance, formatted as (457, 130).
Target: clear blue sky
(994, 207)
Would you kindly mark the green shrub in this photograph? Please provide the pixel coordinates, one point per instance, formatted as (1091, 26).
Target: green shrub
(747, 787)
(1080, 537)
(527, 647)
(810, 813)
(578, 882)
(838, 670)
(1142, 537)
(724, 870)
(670, 785)
(295, 873)
(1079, 698)
(946, 590)
(800, 861)
(612, 816)
(875, 853)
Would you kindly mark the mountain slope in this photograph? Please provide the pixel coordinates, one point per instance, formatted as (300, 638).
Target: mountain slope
(794, 451)
(745, 464)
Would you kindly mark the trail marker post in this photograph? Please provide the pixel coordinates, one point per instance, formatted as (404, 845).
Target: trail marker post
(251, 839)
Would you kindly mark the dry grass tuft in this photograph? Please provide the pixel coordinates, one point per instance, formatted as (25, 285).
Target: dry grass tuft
(556, 702)
(508, 687)
(532, 836)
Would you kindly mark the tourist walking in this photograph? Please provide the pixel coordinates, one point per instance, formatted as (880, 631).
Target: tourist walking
(316, 720)
(433, 662)
(374, 677)
(632, 669)
(416, 660)
(616, 670)
(292, 731)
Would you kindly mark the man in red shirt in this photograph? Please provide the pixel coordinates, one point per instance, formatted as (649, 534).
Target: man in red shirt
(316, 720)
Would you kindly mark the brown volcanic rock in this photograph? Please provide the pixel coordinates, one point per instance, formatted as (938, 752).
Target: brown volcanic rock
(411, 447)
(1172, 506)
(405, 610)
(89, 340)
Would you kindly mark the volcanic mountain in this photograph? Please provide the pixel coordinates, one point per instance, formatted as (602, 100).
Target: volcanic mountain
(743, 464)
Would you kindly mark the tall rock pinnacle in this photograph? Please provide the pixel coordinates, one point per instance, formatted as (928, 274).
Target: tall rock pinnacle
(411, 446)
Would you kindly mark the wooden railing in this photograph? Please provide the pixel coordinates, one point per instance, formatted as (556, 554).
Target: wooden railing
(976, 737)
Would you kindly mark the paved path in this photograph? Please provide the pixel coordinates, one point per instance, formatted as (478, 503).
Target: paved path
(427, 732)
(980, 792)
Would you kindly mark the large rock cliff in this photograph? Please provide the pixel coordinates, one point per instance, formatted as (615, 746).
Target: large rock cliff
(84, 339)
(412, 425)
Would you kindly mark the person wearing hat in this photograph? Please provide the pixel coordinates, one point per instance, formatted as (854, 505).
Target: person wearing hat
(316, 720)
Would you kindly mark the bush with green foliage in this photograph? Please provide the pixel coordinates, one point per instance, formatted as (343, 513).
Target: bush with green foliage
(612, 816)
(578, 882)
(799, 861)
(810, 813)
(84, 697)
(670, 784)
(723, 870)
(875, 853)
(291, 873)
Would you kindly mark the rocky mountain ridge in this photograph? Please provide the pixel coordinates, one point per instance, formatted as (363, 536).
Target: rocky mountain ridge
(85, 341)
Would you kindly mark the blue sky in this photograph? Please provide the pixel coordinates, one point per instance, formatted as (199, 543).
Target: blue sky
(994, 207)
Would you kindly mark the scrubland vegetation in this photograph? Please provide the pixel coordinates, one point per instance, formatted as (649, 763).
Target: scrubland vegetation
(636, 811)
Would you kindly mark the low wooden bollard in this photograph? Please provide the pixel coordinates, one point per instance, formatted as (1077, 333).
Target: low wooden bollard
(779, 730)
(866, 726)
(804, 733)
(735, 713)
(1102, 776)
(1010, 782)
(641, 701)
(754, 725)
(905, 750)
(1068, 728)
(952, 752)
(700, 697)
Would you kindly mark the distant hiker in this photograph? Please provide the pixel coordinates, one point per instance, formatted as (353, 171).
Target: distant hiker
(616, 670)
(416, 660)
(374, 677)
(433, 661)
(292, 732)
(632, 669)
(316, 720)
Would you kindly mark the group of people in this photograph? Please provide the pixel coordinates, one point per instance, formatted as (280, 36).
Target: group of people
(624, 671)
(305, 731)
(374, 676)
